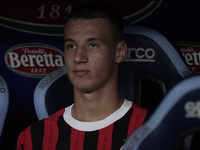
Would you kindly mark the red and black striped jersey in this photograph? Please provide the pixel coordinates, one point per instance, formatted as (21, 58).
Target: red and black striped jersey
(62, 132)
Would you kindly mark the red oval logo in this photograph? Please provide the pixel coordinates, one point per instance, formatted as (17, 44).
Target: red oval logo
(191, 53)
(33, 59)
(35, 16)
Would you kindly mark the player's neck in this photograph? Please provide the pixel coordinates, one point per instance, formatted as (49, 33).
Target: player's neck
(92, 107)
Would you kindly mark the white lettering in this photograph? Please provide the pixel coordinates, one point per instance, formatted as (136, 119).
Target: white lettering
(24, 60)
(40, 61)
(192, 58)
(140, 54)
(188, 59)
(33, 51)
(51, 60)
(150, 53)
(188, 49)
(192, 109)
(14, 60)
(58, 60)
(196, 58)
(31, 60)
(45, 60)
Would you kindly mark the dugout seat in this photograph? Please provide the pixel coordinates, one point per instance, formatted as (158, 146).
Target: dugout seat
(152, 66)
(176, 118)
(4, 103)
(52, 93)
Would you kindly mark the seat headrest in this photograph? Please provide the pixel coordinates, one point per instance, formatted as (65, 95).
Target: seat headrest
(177, 116)
(151, 52)
(151, 59)
(4, 102)
(53, 93)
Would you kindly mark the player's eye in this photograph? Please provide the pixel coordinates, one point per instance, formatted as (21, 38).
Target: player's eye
(93, 45)
(70, 47)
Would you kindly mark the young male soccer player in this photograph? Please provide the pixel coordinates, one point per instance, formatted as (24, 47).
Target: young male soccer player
(99, 118)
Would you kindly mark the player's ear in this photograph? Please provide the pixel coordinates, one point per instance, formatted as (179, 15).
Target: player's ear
(121, 49)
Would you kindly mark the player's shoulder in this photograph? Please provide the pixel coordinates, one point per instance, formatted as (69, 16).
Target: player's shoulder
(55, 116)
(39, 125)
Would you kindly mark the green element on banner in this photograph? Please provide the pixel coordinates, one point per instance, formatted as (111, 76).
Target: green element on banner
(32, 27)
(187, 43)
(146, 11)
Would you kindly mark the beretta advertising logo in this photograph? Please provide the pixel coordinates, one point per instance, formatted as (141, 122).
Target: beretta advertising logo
(191, 54)
(33, 59)
(48, 17)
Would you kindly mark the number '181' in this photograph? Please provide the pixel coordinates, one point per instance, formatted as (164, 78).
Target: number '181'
(54, 13)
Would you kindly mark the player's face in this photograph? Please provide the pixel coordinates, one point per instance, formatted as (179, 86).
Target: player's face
(90, 55)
